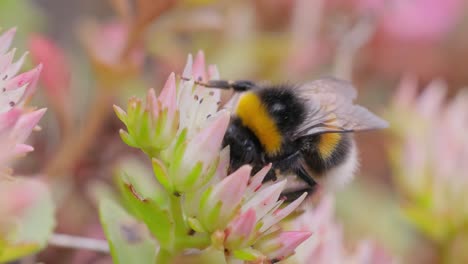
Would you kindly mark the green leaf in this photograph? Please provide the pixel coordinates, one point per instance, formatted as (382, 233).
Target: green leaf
(195, 225)
(138, 174)
(33, 229)
(129, 241)
(247, 254)
(120, 114)
(128, 139)
(157, 218)
(162, 175)
(191, 178)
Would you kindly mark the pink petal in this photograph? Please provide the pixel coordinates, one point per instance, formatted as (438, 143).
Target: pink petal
(241, 227)
(8, 119)
(107, 41)
(271, 219)
(11, 98)
(282, 245)
(152, 103)
(330, 248)
(265, 200)
(290, 241)
(205, 145)
(168, 96)
(198, 70)
(6, 60)
(16, 196)
(256, 181)
(12, 69)
(324, 212)
(231, 190)
(431, 99)
(421, 20)
(223, 165)
(25, 124)
(6, 39)
(32, 85)
(21, 149)
(213, 72)
(187, 73)
(28, 78)
(56, 71)
(406, 92)
(19, 88)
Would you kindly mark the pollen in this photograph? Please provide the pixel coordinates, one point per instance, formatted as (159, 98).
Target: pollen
(328, 143)
(255, 116)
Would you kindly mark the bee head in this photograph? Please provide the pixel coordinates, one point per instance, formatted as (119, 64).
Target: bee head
(244, 147)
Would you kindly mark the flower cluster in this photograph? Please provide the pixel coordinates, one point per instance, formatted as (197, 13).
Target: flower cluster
(18, 197)
(430, 156)
(197, 205)
(327, 246)
(16, 122)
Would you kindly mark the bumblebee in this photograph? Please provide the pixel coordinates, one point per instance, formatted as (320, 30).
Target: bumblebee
(304, 131)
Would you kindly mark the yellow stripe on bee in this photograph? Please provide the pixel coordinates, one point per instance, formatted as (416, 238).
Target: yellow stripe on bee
(255, 116)
(328, 143)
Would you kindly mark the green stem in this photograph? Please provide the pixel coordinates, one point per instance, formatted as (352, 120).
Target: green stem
(198, 240)
(163, 257)
(180, 228)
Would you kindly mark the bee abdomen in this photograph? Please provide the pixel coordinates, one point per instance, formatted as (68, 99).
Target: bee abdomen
(326, 151)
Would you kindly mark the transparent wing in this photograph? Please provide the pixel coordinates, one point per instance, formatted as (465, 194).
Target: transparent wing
(330, 85)
(331, 109)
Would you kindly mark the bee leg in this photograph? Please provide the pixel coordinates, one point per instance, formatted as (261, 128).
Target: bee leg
(293, 195)
(304, 175)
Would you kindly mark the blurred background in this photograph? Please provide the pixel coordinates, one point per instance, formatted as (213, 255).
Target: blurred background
(406, 58)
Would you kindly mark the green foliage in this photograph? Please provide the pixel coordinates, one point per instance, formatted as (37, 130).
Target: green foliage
(129, 240)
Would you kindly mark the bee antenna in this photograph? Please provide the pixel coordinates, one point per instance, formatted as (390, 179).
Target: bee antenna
(197, 82)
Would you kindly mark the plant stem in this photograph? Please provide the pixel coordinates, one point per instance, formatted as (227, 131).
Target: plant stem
(181, 229)
(79, 142)
(67, 241)
(163, 257)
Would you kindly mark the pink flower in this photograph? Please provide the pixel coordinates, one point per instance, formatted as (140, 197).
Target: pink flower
(182, 131)
(109, 48)
(16, 196)
(327, 245)
(15, 123)
(250, 220)
(280, 245)
(430, 156)
(14, 88)
(56, 70)
(415, 20)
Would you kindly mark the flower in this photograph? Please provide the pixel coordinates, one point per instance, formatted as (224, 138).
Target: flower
(327, 243)
(111, 50)
(15, 89)
(25, 203)
(55, 75)
(56, 71)
(200, 206)
(429, 157)
(16, 197)
(16, 122)
(426, 20)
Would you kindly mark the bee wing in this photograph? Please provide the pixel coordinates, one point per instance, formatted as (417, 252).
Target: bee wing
(331, 109)
(331, 85)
